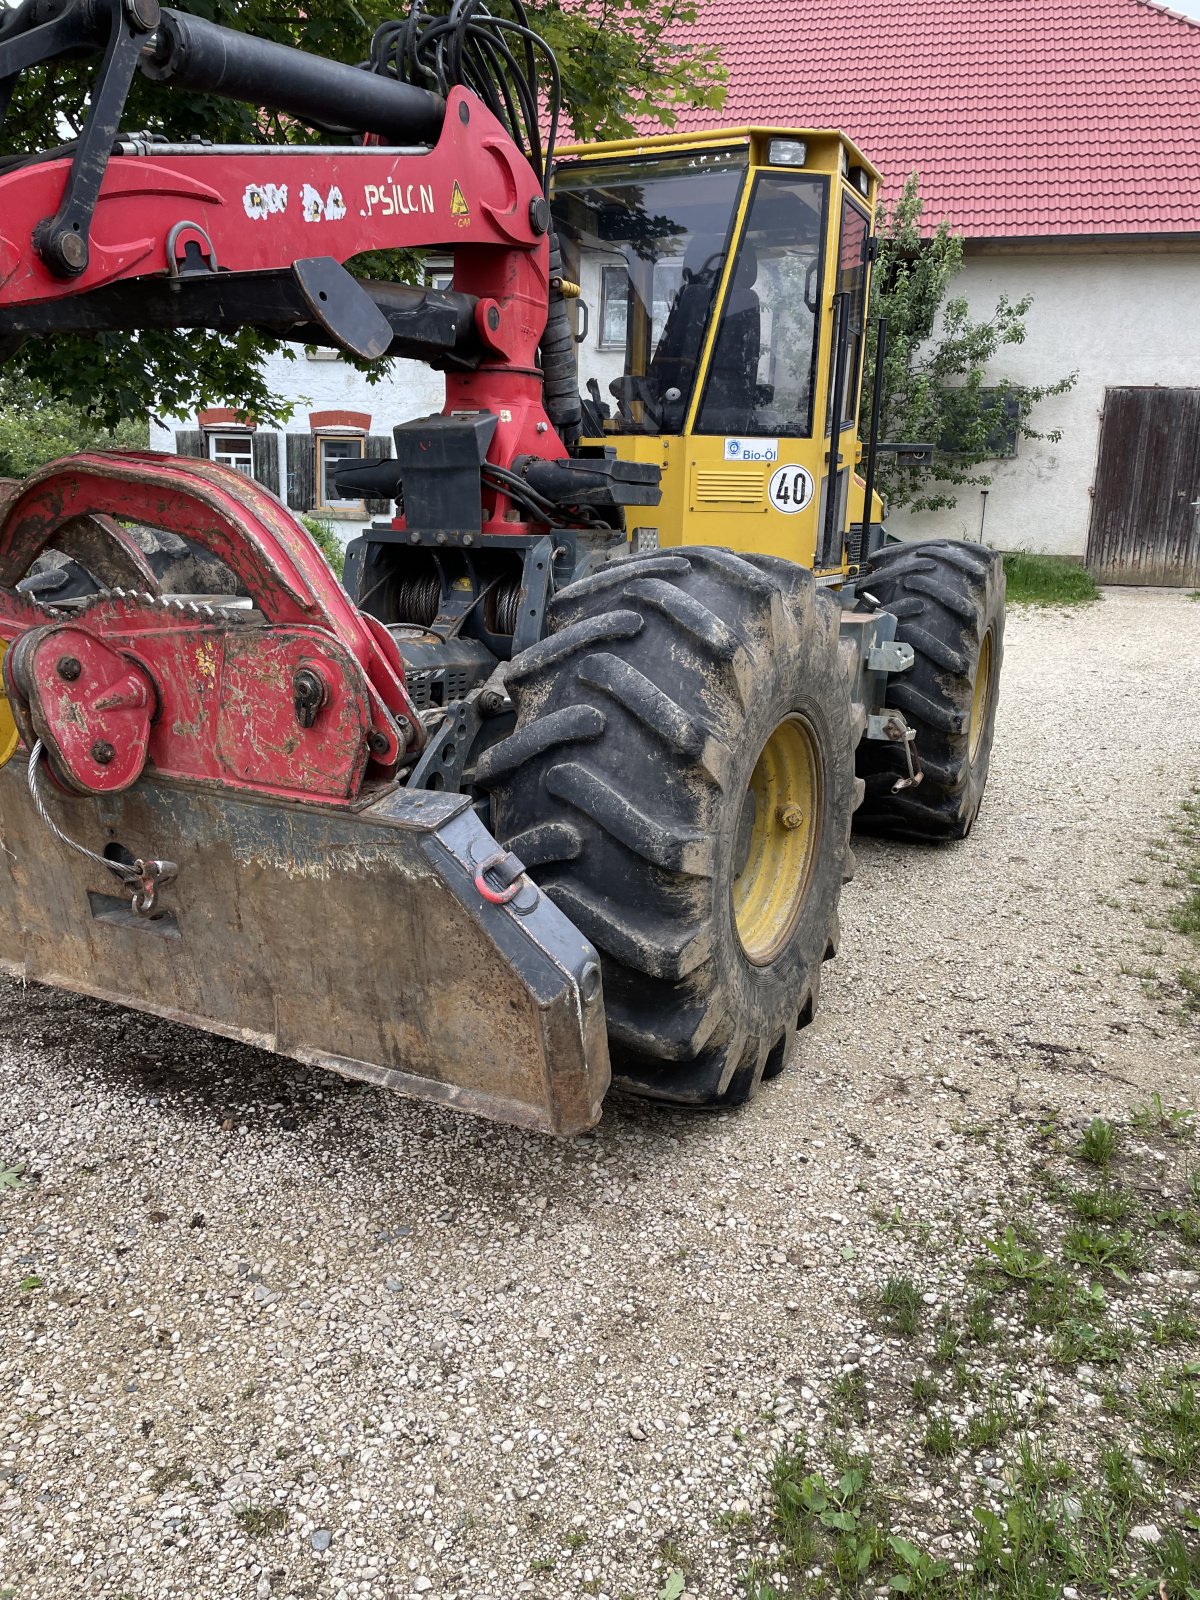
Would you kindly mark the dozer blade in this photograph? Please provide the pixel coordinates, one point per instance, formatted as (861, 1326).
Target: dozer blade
(353, 939)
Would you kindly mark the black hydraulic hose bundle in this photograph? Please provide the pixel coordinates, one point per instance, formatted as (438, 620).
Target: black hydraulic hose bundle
(496, 57)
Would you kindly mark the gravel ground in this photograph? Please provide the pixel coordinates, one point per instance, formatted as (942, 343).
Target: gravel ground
(299, 1338)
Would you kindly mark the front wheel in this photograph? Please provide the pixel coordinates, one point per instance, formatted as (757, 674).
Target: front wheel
(948, 601)
(680, 782)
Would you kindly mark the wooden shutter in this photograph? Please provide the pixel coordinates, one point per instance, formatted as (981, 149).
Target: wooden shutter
(190, 442)
(266, 460)
(377, 447)
(301, 488)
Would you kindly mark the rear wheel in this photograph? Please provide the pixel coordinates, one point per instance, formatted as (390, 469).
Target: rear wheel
(680, 781)
(948, 599)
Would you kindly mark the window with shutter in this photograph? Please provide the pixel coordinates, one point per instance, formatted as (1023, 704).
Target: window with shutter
(266, 460)
(300, 472)
(378, 447)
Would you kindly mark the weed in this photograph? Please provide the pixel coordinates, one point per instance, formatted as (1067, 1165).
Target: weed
(924, 1392)
(1076, 1339)
(674, 1584)
(1120, 1477)
(1118, 1253)
(12, 1177)
(981, 1325)
(1177, 1122)
(166, 1477)
(672, 1553)
(1016, 1260)
(1100, 1205)
(1186, 1222)
(900, 1306)
(541, 1564)
(736, 1523)
(792, 1525)
(920, 1574)
(258, 1522)
(949, 1338)
(1039, 580)
(849, 1389)
(989, 1426)
(940, 1437)
(839, 1520)
(1099, 1144)
(30, 1284)
(1179, 1562)
(576, 1539)
(1175, 1326)
(1170, 1413)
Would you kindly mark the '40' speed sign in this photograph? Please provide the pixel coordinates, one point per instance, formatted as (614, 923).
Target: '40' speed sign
(790, 488)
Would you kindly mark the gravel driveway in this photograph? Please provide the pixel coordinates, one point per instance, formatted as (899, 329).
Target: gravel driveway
(298, 1338)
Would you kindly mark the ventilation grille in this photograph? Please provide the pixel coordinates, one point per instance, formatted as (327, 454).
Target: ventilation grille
(739, 487)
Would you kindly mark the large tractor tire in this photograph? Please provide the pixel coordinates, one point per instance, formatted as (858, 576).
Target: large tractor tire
(680, 781)
(948, 599)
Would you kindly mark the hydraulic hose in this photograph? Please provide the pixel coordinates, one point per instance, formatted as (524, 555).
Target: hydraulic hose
(560, 373)
(208, 59)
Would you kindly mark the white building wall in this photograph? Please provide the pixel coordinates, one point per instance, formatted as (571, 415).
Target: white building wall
(410, 390)
(1119, 319)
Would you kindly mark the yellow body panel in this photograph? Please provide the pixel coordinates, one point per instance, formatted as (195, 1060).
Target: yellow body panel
(707, 496)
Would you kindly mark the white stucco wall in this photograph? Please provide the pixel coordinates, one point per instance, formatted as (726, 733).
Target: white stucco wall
(1118, 318)
(411, 390)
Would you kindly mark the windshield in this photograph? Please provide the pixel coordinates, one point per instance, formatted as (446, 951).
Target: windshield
(646, 242)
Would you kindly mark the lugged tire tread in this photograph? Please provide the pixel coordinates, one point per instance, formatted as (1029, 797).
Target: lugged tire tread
(945, 596)
(570, 725)
(706, 638)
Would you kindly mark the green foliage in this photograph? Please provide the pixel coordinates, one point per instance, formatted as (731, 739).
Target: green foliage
(617, 66)
(1155, 1116)
(35, 429)
(1015, 1259)
(12, 1177)
(900, 1306)
(1037, 580)
(1098, 1145)
(937, 359)
(327, 542)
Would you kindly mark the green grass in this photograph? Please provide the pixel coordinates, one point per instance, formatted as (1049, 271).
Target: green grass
(1098, 1145)
(1101, 1205)
(900, 1306)
(260, 1521)
(1035, 580)
(940, 1437)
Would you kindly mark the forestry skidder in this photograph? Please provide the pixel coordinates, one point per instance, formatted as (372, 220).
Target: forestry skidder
(564, 777)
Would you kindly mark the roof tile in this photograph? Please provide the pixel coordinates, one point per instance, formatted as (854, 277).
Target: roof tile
(1023, 117)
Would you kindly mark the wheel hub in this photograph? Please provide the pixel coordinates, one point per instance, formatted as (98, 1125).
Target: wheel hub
(778, 835)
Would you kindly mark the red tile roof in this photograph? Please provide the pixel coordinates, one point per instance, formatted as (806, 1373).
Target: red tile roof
(1023, 117)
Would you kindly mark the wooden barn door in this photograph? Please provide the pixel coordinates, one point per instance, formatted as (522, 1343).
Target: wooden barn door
(1145, 525)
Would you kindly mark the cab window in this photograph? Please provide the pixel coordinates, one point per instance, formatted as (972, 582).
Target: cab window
(852, 284)
(764, 361)
(646, 241)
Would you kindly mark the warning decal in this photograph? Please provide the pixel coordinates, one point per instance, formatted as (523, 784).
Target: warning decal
(458, 204)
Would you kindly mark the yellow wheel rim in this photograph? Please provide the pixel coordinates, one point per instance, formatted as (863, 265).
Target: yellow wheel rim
(9, 737)
(778, 835)
(981, 697)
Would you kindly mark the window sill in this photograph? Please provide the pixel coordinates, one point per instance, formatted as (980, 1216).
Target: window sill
(342, 513)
